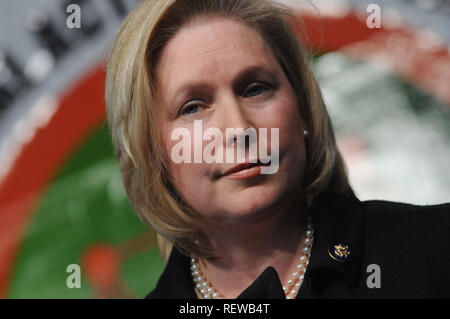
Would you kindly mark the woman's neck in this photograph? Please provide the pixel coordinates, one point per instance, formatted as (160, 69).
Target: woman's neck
(247, 247)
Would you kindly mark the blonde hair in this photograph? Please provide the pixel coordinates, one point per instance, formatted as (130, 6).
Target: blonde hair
(130, 88)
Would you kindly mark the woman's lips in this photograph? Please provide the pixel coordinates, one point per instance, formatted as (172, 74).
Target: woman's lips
(244, 170)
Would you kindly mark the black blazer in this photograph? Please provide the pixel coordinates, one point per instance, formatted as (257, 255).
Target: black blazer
(394, 250)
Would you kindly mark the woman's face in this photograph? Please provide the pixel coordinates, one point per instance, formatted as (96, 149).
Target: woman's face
(224, 74)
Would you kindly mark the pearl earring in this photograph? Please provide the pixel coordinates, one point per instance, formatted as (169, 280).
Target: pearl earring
(306, 133)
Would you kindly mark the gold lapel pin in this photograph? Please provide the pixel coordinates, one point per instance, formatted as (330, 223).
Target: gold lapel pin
(339, 252)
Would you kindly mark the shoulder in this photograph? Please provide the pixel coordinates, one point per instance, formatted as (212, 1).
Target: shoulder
(175, 281)
(384, 206)
(410, 245)
(391, 225)
(404, 217)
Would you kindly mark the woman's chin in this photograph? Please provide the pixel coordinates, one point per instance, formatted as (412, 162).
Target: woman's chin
(251, 203)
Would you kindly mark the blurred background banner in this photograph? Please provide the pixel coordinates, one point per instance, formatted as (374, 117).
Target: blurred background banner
(384, 69)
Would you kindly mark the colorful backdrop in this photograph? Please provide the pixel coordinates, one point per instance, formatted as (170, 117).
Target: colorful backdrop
(62, 201)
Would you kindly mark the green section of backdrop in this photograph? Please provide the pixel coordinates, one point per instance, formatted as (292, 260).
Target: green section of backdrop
(84, 205)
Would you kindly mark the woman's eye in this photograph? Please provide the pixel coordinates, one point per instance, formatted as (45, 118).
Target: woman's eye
(190, 109)
(256, 90)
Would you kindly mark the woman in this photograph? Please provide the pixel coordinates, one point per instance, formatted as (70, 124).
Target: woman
(227, 151)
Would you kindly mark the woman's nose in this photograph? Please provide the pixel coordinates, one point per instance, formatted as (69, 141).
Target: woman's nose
(234, 122)
(233, 115)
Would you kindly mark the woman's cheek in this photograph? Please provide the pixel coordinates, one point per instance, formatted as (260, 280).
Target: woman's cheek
(191, 182)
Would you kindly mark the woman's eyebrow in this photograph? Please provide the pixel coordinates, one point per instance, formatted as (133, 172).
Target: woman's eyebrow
(245, 75)
(264, 72)
(184, 92)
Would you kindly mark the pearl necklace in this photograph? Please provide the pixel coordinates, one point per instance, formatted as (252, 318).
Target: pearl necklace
(207, 291)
